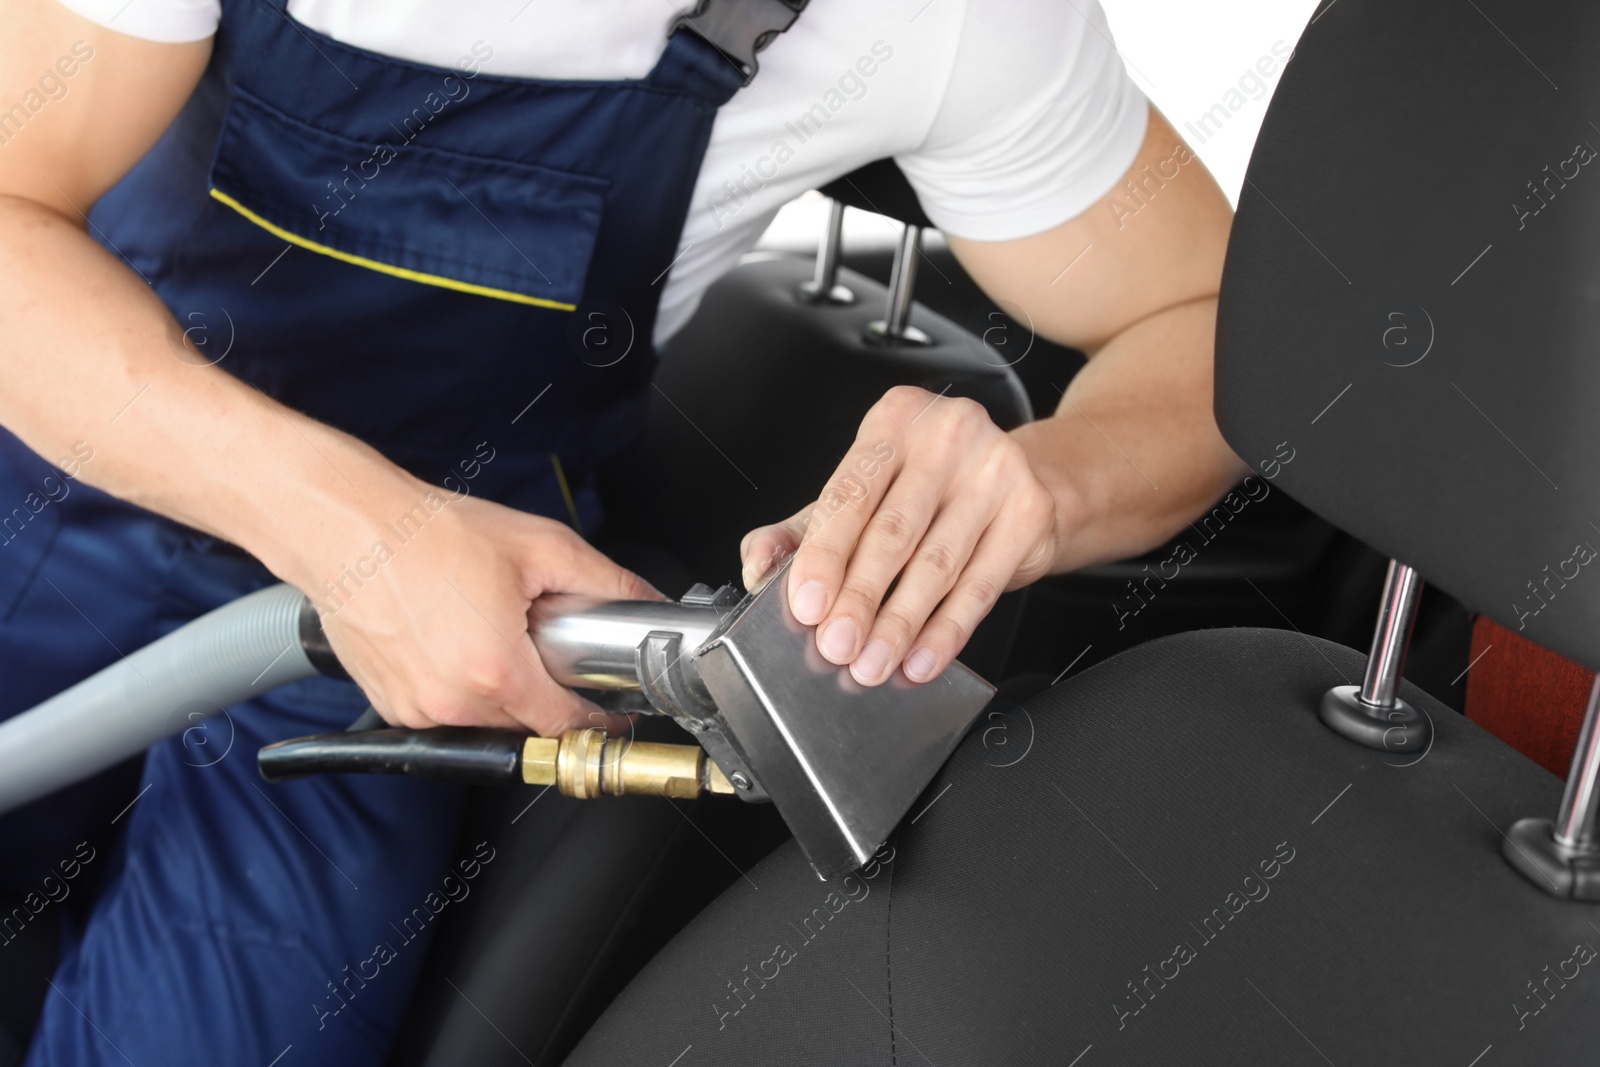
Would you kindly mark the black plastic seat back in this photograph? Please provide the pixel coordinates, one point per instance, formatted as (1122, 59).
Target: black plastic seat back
(1410, 298)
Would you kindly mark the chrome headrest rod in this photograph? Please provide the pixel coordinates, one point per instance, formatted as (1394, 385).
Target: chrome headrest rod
(895, 327)
(1371, 714)
(1562, 857)
(824, 287)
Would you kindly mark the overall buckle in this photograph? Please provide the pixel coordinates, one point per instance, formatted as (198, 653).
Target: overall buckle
(740, 28)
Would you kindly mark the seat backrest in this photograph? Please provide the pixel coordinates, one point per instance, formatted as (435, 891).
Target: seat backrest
(760, 395)
(1410, 299)
(880, 186)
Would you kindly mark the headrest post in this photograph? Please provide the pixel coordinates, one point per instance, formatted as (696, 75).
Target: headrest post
(895, 327)
(1372, 714)
(1391, 638)
(1563, 857)
(1574, 826)
(824, 287)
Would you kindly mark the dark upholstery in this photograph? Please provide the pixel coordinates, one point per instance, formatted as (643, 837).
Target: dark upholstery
(579, 896)
(1077, 840)
(880, 186)
(1410, 298)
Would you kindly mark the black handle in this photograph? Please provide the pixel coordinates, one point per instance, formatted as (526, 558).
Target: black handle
(449, 753)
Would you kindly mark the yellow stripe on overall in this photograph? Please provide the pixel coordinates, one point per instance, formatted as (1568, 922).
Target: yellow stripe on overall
(386, 268)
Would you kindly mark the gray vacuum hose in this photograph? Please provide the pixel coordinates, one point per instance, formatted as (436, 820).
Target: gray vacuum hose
(249, 646)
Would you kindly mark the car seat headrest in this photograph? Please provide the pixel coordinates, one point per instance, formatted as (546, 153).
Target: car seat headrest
(1409, 333)
(880, 186)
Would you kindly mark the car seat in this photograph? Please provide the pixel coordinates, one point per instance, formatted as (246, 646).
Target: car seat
(1251, 845)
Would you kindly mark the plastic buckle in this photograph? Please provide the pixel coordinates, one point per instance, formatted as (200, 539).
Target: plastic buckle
(740, 28)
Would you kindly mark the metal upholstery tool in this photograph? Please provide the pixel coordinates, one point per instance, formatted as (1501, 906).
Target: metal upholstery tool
(843, 762)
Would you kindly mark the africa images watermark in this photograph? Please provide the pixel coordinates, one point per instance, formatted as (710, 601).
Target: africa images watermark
(1252, 489)
(1251, 85)
(1540, 595)
(852, 888)
(1530, 1005)
(1142, 190)
(1541, 195)
(54, 490)
(851, 85)
(402, 530)
(51, 86)
(452, 890)
(852, 488)
(1253, 889)
(451, 90)
(12, 925)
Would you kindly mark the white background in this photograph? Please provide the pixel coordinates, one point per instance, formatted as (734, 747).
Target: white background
(1185, 54)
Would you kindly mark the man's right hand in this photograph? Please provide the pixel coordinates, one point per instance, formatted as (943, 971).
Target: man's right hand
(438, 635)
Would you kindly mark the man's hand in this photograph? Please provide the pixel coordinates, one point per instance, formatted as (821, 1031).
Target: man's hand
(438, 636)
(935, 502)
(933, 494)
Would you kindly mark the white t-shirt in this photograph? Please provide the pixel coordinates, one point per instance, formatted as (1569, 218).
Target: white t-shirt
(1008, 116)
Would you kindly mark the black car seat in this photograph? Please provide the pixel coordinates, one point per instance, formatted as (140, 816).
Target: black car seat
(1248, 846)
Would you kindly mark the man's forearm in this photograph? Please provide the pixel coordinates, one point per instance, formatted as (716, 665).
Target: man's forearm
(1133, 453)
(89, 353)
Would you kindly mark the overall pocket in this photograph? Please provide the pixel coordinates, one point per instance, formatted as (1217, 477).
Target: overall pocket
(492, 227)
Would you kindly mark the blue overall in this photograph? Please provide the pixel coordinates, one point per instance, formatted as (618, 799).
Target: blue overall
(461, 270)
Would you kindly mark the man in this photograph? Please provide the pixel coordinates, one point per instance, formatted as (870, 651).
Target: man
(285, 290)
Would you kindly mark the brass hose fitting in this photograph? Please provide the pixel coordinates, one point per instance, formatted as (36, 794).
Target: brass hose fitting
(590, 763)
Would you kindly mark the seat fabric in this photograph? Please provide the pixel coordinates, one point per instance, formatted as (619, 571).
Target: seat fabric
(1164, 859)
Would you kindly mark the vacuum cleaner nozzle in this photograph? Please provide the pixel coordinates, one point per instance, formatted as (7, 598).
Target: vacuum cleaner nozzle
(843, 762)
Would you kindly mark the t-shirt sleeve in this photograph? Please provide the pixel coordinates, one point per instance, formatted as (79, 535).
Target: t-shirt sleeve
(1039, 120)
(167, 21)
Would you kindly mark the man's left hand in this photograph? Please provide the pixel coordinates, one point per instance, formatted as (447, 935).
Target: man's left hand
(937, 501)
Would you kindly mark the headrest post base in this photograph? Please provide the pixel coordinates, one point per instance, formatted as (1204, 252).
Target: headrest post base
(1563, 857)
(1371, 714)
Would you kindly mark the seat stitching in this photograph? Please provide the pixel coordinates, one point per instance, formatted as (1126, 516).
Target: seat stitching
(888, 967)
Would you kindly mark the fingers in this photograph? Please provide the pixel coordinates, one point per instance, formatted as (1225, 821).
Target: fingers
(945, 510)
(933, 570)
(947, 632)
(885, 546)
(836, 522)
(767, 546)
(444, 639)
(514, 690)
(1010, 553)
(563, 562)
